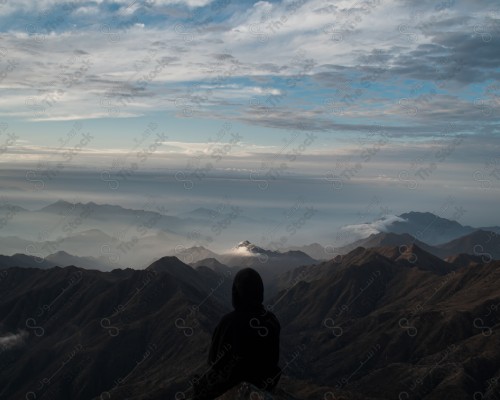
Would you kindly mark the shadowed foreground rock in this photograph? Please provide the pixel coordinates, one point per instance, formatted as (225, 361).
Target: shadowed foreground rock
(247, 391)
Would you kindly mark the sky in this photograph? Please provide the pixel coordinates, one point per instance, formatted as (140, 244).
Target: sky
(345, 104)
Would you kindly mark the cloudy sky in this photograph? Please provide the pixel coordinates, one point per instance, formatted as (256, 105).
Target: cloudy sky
(338, 101)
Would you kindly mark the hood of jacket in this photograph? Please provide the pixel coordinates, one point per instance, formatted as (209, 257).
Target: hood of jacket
(248, 290)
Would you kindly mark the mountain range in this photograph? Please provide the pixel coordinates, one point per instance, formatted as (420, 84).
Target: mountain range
(478, 242)
(122, 236)
(117, 236)
(398, 313)
(425, 226)
(375, 323)
(270, 263)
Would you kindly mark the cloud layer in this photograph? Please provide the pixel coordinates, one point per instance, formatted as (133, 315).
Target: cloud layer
(390, 92)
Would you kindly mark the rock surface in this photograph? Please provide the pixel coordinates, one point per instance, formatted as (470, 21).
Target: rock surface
(247, 391)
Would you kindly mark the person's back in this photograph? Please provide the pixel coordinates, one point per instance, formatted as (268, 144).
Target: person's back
(245, 344)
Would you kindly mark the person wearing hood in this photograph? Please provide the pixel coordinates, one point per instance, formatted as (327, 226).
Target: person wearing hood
(245, 343)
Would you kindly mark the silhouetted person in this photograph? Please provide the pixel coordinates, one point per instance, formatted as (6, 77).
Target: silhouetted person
(245, 344)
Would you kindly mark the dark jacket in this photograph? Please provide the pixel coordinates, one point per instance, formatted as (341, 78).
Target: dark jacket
(245, 343)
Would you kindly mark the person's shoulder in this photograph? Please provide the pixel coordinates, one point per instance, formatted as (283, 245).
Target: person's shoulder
(270, 313)
(271, 317)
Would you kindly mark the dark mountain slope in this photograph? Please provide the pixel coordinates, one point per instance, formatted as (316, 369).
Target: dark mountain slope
(371, 324)
(110, 321)
(377, 326)
(479, 243)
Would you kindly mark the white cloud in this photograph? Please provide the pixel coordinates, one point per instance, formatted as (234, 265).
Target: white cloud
(241, 251)
(192, 56)
(189, 3)
(361, 231)
(86, 6)
(12, 340)
(86, 10)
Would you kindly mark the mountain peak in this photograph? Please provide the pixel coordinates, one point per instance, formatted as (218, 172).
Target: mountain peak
(414, 255)
(62, 202)
(428, 219)
(60, 253)
(417, 214)
(58, 205)
(169, 264)
(208, 262)
(194, 254)
(247, 247)
(361, 255)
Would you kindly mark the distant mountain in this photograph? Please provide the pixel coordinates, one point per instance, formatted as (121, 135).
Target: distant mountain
(99, 216)
(482, 243)
(313, 250)
(130, 248)
(62, 219)
(429, 228)
(63, 259)
(213, 264)
(479, 243)
(268, 263)
(10, 245)
(194, 254)
(60, 207)
(424, 226)
(245, 254)
(11, 208)
(464, 260)
(85, 242)
(75, 244)
(24, 261)
(107, 210)
(384, 239)
(135, 237)
(246, 249)
(152, 226)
